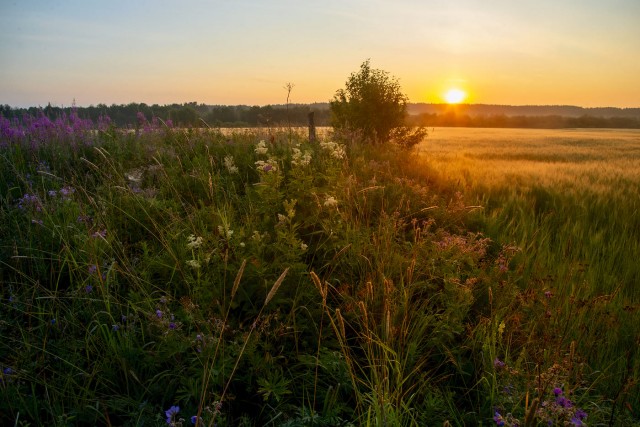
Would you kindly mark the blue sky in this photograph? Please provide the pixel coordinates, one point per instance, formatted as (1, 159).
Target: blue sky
(243, 52)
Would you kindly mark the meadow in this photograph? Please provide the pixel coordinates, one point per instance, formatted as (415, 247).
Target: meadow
(168, 276)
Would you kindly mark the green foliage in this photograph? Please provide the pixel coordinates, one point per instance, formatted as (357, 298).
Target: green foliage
(373, 106)
(257, 279)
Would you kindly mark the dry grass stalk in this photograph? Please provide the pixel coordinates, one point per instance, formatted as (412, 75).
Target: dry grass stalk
(276, 285)
(236, 282)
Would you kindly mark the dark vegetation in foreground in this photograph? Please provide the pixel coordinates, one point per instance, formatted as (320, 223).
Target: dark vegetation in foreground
(173, 276)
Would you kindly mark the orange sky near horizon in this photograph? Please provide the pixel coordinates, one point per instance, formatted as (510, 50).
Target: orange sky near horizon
(541, 52)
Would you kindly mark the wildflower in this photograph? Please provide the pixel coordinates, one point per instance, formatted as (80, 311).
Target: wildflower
(564, 402)
(580, 414)
(7, 371)
(53, 321)
(30, 201)
(66, 192)
(268, 166)
(198, 337)
(501, 328)
(195, 420)
(335, 150)
(194, 242)
(557, 391)
(300, 159)
(194, 263)
(261, 148)
(52, 193)
(497, 363)
(225, 231)
(163, 300)
(99, 234)
(171, 412)
(498, 419)
(37, 221)
(92, 268)
(172, 325)
(330, 201)
(115, 328)
(575, 421)
(230, 165)
(548, 294)
(159, 314)
(88, 289)
(303, 246)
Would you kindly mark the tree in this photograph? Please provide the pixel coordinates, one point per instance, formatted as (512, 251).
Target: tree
(373, 105)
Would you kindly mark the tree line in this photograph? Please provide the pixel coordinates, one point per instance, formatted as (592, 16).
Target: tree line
(193, 114)
(189, 114)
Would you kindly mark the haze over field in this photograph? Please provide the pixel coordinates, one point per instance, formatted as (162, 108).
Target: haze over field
(223, 52)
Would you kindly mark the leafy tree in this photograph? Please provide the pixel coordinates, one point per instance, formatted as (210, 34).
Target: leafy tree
(373, 105)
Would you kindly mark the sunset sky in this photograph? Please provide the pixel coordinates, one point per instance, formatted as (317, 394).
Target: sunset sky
(573, 52)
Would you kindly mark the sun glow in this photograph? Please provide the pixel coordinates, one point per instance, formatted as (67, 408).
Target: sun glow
(455, 96)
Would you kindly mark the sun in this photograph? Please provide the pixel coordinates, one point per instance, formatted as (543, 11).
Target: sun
(455, 96)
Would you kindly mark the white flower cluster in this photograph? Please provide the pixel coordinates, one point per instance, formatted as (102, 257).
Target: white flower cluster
(225, 231)
(261, 148)
(193, 263)
(330, 202)
(266, 166)
(230, 164)
(194, 242)
(299, 158)
(335, 150)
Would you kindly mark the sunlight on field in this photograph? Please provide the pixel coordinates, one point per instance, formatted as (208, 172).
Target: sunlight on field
(600, 159)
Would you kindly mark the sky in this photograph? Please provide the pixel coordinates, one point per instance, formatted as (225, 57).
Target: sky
(543, 52)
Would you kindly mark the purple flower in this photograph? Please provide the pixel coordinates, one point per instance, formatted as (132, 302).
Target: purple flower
(7, 371)
(195, 420)
(564, 402)
(498, 419)
(497, 363)
(267, 167)
(575, 421)
(580, 414)
(115, 328)
(99, 233)
(557, 391)
(88, 289)
(172, 325)
(159, 314)
(67, 192)
(171, 412)
(93, 268)
(52, 193)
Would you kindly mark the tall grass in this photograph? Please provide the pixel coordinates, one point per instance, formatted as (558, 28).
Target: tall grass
(170, 276)
(569, 200)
